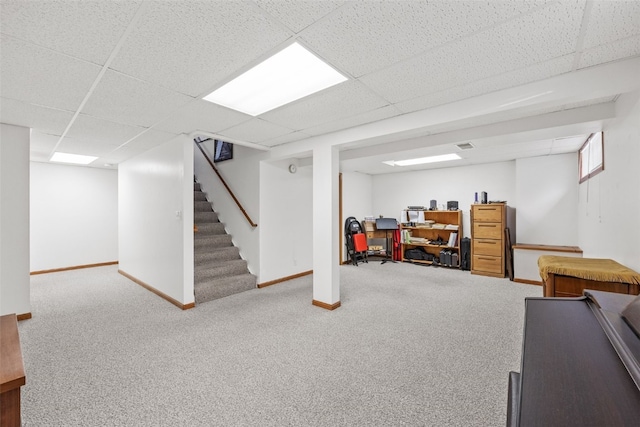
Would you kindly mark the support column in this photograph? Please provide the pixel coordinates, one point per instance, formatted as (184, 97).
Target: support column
(326, 272)
(14, 221)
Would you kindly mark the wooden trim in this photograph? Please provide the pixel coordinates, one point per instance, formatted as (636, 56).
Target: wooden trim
(157, 292)
(24, 316)
(325, 305)
(549, 248)
(12, 373)
(75, 267)
(233, 196)
(284, 279)
(529, 282)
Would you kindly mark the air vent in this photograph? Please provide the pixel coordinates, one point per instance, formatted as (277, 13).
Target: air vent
(465, 146)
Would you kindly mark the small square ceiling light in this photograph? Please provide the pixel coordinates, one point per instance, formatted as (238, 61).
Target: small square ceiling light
(76, 159)
(290, 74)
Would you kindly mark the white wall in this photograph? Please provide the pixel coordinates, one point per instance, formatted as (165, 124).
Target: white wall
(14, 220)
(547, 200)
(286, 228)
(74, 216)
(609, 203)
(357, 199)
(242, 174)
(155, 216)
(394, 192)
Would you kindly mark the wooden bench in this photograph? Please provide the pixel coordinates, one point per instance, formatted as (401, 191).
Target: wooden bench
(12, 375)
(569, 277)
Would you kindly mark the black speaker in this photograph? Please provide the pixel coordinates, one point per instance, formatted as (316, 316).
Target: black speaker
(483, 197)
(452, 205)
(465, 253)
(433, 205)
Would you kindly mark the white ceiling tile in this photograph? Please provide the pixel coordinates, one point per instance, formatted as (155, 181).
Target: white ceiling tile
(343, 100)
(290, 137)
(91, 129)
(191, 46)
(88, 147)
(506, 80)
(366, 36)
(256, 130)
(84, 29)
(47, 120)
(202, 115)
(611, 21)
(610, 52)
(123, 99)
(42, 144)
(356, 120)
(151, 138)
(297, 15)
(537, 37)
(37, 75)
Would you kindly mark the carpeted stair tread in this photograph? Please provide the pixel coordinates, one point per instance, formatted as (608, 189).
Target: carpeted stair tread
(212, 241)
(216, 254)
(220, 269)
(207, 228)
(222, 287)
(201, 217)
(202, 206)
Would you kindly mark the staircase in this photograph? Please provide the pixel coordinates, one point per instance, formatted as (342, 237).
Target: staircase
(218, 269)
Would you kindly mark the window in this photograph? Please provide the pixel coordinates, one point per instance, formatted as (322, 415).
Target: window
(591, 156)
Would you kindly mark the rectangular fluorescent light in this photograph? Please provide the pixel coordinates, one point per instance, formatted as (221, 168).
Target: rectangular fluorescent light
(423, 160)
(76, 159)
(290, 74)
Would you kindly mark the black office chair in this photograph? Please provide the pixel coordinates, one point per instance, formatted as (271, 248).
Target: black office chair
(355, 241)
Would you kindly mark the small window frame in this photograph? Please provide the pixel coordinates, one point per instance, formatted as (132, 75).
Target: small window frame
(586, 149)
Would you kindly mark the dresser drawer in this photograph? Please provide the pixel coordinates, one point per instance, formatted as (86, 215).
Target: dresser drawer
(488, 213)
(487, 264)
(487, 247)
(487, 230)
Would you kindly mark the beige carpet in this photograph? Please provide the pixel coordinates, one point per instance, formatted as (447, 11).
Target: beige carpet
(411, 345)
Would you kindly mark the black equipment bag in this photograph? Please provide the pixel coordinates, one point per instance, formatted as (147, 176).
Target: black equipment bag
(465, 253)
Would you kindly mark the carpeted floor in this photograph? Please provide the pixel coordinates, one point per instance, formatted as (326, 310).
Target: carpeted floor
(411, 345)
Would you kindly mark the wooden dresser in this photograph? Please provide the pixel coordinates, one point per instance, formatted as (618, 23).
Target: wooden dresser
(488, 246)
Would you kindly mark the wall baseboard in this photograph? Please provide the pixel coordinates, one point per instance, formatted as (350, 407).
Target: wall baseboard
(157, 292)
(24, 316)
(75, 267)
(528, 282)
(325, 305)
(284, 279)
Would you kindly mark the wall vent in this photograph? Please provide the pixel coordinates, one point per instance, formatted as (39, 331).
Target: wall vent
(465, 146)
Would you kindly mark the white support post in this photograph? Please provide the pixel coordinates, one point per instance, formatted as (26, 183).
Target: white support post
(326, 272)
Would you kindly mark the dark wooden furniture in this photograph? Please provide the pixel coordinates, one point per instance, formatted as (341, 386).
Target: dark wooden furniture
(558, 285)
(580, 364)
(12, 375)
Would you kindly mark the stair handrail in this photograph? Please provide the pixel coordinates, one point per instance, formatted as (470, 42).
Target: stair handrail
(233, 196)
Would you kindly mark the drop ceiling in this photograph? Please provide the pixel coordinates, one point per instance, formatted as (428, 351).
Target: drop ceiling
(515, 78)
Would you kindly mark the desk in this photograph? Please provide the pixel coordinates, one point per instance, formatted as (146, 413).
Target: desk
(12, 375)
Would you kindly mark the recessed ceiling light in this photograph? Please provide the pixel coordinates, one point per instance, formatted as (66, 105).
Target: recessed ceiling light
(76, 159)
(290, 74)
(423, 160)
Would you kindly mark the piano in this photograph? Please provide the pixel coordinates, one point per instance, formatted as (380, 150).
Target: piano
(580, 362)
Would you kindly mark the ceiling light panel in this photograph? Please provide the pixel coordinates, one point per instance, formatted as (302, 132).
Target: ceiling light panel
(424, 160)
(291, 74)
(76, 159)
